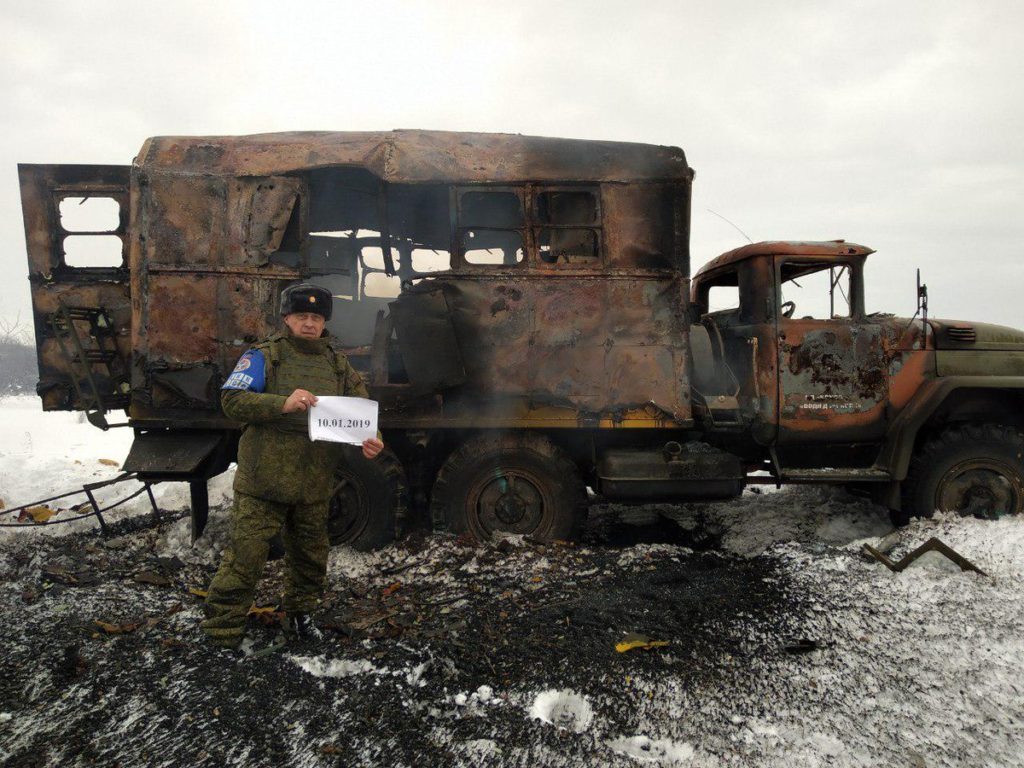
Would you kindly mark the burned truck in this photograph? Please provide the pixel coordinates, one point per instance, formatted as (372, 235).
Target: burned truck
(522, 309)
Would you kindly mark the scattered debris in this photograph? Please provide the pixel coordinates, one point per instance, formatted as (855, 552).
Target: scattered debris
(633, 640)
(932, 545)
(803, 645)
(37, 514)
(152, 577)
(117, 629)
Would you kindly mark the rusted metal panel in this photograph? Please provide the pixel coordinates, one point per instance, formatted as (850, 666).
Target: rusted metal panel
(593, 345)
(832, 380)
(417, 156)
(644, 235)
(200, 323)
(555, 333)
(58, 286)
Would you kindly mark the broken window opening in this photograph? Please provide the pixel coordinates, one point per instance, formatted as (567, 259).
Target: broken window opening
(567, 246)
(723, 298)
(818, 290)
(563, 240)
(567, 207)
(493, 247)
(380, 285)
(344, 250)
(492, 224)
(425, 261)
(498, 209)
(372, 258)
(90, 214)
(93, 251)
(719, 294)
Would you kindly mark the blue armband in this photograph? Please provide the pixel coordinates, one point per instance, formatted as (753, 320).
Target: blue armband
(249, 373)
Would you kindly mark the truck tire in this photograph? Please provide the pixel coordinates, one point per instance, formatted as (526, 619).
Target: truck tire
(975, 470)
(369, 501)
(516, 483)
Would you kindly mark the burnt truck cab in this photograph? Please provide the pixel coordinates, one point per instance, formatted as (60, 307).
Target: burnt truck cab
(521, 308)
(916, 410)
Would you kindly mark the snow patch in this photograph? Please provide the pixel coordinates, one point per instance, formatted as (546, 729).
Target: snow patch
(645, 749)
(320, 666)
(564, 709)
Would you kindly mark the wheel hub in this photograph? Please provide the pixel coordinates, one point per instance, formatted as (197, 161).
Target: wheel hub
(979, 489)
(509, 500)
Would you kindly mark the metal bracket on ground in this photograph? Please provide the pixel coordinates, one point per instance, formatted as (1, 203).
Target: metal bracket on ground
(932, 545)
(96, 511)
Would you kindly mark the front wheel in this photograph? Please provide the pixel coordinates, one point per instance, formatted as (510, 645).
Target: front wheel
(513, 483)
(369, 500)
(973, 470)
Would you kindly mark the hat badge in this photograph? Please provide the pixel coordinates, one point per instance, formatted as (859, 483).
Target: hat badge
(312, 299)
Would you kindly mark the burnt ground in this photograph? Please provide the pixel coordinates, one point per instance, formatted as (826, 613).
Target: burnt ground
(436, 651)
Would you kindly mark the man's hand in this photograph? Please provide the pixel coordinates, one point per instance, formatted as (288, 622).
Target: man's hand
(299, 400)
(372, 448)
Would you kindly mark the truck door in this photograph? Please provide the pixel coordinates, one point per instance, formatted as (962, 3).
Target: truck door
(76, 219)
(833, 381)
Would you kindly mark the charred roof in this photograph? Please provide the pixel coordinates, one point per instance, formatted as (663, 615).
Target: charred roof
(417, 156)
(832, 248)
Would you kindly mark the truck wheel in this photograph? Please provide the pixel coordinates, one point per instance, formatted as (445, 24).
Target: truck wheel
(975, 470)
(517, 483)
(369, 500)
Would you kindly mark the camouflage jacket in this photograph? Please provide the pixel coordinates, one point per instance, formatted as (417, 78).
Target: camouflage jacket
(276, 458)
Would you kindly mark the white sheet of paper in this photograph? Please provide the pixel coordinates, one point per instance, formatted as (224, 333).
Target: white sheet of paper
(343, 419)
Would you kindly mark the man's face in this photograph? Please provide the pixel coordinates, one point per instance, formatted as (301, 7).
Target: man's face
(305, 325)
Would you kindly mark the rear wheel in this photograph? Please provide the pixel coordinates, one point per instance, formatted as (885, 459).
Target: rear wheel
(369, 500)
(513, 483)
(973, 470)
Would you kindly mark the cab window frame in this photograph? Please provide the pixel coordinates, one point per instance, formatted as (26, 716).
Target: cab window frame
(856, 294)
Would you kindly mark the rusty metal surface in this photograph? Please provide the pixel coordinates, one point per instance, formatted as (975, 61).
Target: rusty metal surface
(56, 284)
(221, 225)
(416, 156)
(848, 379)
(932, 545)
(591, 344)
(784, 248)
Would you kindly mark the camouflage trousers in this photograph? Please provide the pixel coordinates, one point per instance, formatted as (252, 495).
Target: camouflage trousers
(254, 522)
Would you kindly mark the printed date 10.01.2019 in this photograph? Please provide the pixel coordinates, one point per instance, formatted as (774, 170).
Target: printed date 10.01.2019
(344, 423)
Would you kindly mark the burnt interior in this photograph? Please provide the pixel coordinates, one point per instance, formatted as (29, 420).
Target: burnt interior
(366, 240)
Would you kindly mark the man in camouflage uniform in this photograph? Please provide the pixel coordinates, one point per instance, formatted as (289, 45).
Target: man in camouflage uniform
(284, 480)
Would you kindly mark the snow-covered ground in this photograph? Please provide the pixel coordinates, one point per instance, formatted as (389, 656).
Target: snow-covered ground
(785, 646)
(46, 454)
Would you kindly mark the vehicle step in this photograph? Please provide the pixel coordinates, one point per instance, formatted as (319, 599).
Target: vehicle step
(837, 475)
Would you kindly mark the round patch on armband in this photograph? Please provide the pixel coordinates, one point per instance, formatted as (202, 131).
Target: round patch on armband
(243, 364)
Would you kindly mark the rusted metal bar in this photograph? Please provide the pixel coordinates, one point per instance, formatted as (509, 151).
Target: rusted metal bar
(932, 545)
(385, 230)
(97, 510)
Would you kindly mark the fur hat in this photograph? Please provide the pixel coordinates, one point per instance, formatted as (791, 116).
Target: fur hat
(306, 297)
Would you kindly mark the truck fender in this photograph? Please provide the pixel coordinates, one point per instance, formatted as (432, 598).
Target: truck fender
(902, 434)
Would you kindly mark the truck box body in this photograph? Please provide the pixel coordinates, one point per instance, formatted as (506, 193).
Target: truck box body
(548, 275)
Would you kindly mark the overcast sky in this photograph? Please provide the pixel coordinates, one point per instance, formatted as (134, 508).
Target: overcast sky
(892, 124)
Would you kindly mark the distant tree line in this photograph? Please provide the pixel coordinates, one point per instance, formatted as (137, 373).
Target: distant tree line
(18, 371)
